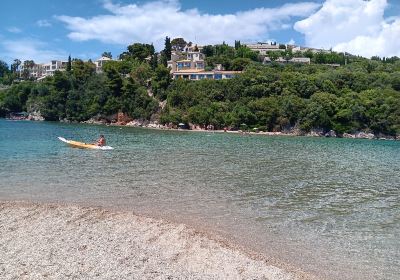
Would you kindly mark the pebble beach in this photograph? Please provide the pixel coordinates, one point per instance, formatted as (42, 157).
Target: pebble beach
(51, 241)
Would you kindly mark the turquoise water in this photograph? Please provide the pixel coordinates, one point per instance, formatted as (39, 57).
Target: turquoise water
(329, 206)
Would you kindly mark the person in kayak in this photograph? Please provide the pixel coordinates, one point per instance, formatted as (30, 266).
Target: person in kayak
(101, 141)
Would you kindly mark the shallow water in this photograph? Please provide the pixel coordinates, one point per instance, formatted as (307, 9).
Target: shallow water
(329, 206)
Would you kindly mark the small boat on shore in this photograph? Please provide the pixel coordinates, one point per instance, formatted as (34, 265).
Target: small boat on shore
(81, 145)
(18, 116)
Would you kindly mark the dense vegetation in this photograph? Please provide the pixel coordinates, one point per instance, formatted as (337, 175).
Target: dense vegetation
(363, 95)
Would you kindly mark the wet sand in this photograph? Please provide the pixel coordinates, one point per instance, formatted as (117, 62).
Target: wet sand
(52, 241)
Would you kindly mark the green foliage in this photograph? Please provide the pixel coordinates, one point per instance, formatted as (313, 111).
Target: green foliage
(168, 49)
(3, 69)
(329, 58)
(15, 65)
(178, 43)
(82, 94)
(107, 54)
(239, 64)
(161, 81)
(138, 51)
(208, 51)
(237, 45)
(245, 52)
(279, 98)
(154, 61)
(69, 64)
(82, 71)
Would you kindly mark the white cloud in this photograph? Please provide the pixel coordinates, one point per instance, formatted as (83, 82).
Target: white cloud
(14, 29)
(355, 26)
(43, 23)
(153, 21)
(29, 49)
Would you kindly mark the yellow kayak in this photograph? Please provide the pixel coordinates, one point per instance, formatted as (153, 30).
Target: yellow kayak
(82, 145)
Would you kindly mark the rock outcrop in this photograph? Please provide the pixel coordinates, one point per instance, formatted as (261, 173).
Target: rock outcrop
(35, 116)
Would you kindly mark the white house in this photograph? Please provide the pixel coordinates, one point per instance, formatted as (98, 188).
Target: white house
(42, 70)
(53, 66)
(263, 48)
(294, 60)
(192, 61)
(100, 63)
(195, 75)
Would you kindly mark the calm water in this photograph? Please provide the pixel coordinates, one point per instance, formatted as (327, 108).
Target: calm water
(330, 206)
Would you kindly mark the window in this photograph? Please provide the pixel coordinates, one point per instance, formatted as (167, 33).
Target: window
(218, 76)
(193, 77)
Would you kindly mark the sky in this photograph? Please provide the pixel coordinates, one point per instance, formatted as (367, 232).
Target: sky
(43, 30)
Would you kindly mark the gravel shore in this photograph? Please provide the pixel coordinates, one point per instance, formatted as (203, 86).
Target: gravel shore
(49, 241)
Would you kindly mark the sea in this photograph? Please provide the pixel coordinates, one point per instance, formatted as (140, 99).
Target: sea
(328, 206)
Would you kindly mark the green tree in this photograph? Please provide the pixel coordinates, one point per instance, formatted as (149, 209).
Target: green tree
(245, 52)
(154, 61)
(82, 71)
(167, 52)
(15, 65)
(138, 51)
(69, 64)
(239, 64)
(237, 45)
(208, 51)
(161, 82)
(3, 69)
(107, 54)
(178, 44)
(319, 111)
(114, 81)
(28, 66)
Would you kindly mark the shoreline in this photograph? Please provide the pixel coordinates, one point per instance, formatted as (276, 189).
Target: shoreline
(294, 133)
(312, 133)
(359, 135)
(37, 237)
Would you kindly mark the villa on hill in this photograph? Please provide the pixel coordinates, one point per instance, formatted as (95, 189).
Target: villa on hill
(39, 71)
(189, 64)
(294, 60)
(264, 48)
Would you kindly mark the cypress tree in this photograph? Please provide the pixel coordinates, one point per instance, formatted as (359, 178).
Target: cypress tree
(237, 45)
(69, 64)
(154, 61)
(168, 48)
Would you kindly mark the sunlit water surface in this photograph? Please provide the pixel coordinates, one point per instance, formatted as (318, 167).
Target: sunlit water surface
(329, 206)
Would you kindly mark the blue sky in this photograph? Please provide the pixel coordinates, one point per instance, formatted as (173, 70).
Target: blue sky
(52, 29)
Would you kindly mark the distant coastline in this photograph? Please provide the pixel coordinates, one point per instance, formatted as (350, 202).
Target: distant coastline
(157, 126)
